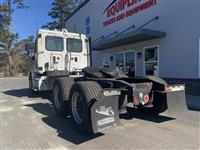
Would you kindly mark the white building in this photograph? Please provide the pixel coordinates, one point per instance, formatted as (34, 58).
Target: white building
(146, 37)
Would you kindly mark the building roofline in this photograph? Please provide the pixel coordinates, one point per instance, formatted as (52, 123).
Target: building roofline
(77, 9)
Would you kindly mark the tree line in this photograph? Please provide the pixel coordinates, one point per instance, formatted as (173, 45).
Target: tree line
(13, 60)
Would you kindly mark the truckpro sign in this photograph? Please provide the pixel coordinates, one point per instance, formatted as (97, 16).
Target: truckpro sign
(121, 9)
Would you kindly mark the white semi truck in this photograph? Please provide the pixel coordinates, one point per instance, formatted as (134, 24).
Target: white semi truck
(93, 97)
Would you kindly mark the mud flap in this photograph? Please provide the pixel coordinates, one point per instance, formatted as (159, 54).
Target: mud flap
(176, 102)
(104, 111)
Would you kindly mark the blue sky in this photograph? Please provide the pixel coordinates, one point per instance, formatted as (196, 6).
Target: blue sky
(27, 22)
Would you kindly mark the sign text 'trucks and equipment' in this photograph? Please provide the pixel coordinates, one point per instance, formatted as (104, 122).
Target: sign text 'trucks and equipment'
(116, 10)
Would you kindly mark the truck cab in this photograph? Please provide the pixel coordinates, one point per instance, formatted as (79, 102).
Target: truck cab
(60, 52)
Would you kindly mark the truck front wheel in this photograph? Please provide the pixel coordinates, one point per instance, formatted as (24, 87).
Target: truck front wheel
(30, 81)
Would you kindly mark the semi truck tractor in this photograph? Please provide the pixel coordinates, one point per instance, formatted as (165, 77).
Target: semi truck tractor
(93, 97)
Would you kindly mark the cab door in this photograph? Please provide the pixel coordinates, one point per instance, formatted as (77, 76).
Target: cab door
(77, 54)
(55, 48)
(50, 53)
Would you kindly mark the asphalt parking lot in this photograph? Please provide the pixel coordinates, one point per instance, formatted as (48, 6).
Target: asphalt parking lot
(29, 122)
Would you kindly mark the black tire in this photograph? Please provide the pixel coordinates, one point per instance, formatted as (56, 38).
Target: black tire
(30, 81)
(32, 92)
(61, 88)
(86, 91)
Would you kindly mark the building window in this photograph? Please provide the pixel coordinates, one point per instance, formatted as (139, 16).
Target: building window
(106, 60)
(151, 61)
(87, 25)
(125, 62)
(120, 61)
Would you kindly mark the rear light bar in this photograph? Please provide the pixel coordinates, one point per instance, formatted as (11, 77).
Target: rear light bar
(146, 98)
(174, 88)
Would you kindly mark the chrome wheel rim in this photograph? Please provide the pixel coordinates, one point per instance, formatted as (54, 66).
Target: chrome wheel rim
(77, 108)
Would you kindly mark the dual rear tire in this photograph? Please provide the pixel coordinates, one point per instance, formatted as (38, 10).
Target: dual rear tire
(61, 88)
(82, 96)
(75, 99)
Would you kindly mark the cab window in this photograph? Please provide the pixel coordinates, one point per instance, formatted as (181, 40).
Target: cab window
(74, 45)
(54, 43)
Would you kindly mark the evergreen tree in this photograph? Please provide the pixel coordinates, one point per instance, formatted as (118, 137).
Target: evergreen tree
(7, 8)
(60, 10)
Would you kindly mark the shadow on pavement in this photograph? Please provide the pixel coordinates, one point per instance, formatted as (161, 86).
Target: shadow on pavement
(28, 93)
(133, 113)
(194, 109)
(64, 126)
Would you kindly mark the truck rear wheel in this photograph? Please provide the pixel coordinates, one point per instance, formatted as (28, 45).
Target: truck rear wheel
(30, 81)
(61, 90)
(81, 96)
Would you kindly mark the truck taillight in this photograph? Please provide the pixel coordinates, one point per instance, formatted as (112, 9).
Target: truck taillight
(143, 100)
(146, 98)
(136, 101)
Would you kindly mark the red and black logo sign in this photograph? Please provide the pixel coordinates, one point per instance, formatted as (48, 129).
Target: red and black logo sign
(109, 5)
(115, 10)
(118, 5)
